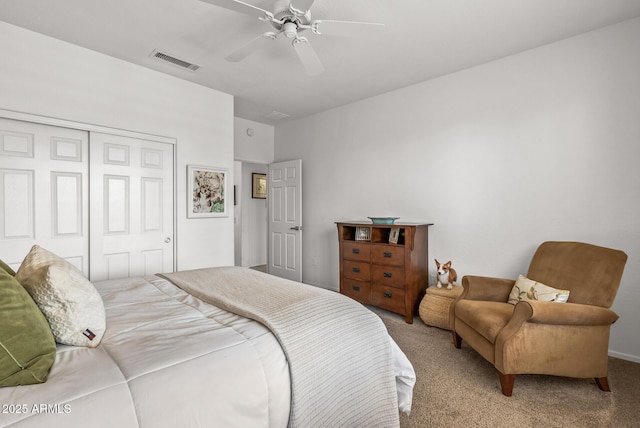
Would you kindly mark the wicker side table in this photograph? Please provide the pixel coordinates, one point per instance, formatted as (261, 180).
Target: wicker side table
(435, 305)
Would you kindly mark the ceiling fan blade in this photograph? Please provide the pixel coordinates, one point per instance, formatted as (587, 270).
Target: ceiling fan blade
(242, 7)
(300, 7)
(255, 44)
(308, 56)
(344, 28)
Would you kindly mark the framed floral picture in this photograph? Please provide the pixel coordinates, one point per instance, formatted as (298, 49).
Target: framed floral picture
(207, 192)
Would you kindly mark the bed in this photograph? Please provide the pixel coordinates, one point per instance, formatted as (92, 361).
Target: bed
(222, 347)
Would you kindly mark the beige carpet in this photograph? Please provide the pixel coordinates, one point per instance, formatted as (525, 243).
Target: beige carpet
(458, 388)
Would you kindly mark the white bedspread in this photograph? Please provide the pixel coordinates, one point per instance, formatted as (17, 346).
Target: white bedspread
(339, 354)
(167, 360)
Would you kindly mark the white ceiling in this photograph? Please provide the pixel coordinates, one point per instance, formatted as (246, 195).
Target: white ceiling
(422, 39)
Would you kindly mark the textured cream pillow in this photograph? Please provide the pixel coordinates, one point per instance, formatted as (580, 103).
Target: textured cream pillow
(69, 302)
(526, 289)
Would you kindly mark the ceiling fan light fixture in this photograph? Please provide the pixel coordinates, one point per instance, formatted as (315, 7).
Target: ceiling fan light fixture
(290, 30)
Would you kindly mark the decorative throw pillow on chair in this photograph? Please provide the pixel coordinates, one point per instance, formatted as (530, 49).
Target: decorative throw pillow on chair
(527, 289)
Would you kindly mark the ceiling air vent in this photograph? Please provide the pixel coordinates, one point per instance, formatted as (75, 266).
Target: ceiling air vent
(162, 56)
(275, 115)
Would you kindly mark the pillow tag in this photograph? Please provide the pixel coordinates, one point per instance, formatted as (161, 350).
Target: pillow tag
(90, 335)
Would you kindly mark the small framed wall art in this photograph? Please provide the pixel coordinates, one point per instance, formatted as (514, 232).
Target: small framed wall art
(394, 234)
(363, 233)
(259, 186)
(207, 192)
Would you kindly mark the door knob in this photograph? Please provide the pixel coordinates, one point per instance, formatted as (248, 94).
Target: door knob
(296, 228)
(167, 239)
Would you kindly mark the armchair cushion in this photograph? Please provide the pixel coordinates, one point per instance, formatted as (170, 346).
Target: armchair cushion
(527, 289)
(486, 288)
(592, 273)
(487, 318)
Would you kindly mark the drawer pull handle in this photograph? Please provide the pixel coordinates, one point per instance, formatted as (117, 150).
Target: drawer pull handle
(387, 254)
(387, 274)
(387, 294)
(356, 251)
(356, 269)
(356, 288)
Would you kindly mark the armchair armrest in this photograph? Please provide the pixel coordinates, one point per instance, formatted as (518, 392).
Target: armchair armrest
(554, 313)
(559, 332)
(486, 288)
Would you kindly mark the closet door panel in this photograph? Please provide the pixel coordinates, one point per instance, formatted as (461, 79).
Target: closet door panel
(43, 192)
(132, 226)
(116, 205)
(17, 204)
(66, 190)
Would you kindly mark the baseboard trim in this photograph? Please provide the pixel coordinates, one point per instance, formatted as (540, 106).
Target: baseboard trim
(622, 356)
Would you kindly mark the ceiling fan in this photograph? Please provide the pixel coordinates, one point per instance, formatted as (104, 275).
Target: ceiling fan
(292, 17)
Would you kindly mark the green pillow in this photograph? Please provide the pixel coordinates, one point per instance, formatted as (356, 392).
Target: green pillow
(27, 347)
(7, 268)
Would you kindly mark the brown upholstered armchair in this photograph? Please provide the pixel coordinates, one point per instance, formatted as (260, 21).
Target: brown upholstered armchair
(541, 337)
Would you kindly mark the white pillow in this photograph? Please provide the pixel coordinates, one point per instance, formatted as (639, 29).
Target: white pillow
(70, 303)
(526, 289)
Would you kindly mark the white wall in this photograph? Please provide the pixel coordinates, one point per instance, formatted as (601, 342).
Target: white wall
(256, 145)
(44, 76)
(543, 145)
(254, 150)
(250, 217)
(254, 218)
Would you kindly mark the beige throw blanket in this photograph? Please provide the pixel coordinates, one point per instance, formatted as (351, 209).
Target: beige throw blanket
(338, 351)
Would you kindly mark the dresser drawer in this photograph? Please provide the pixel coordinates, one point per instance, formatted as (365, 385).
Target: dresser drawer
(357, 270)
(356, 251)
(388, 275)
(389, 298)
(389, 255)
(356, 289)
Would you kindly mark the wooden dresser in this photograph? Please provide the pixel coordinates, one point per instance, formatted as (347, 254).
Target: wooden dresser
(390, 275)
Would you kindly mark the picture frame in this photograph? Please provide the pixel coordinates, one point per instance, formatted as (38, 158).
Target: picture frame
(207, 192)
(258, 186)
(394, 234)
(363, 233)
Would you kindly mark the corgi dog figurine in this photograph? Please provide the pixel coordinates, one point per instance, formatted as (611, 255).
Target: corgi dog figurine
(446, 275)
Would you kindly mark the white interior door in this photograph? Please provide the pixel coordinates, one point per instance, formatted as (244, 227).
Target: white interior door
(43, 192)
(131, 207)
(284, 196)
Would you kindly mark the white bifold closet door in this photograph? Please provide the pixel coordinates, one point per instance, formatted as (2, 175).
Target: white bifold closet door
(131, 207)
(102, 202)
(43, 192)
